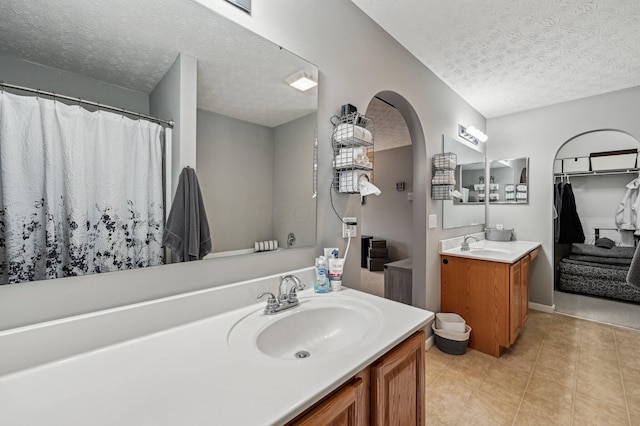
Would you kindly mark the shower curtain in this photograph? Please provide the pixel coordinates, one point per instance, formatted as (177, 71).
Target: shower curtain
(80, 192)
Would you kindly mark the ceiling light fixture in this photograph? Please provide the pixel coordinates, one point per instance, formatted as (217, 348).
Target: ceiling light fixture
(301, 81)
(472, 134)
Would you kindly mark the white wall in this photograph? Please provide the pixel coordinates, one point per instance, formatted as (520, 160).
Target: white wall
(293, 208)
(389, 216)
(235, 172)
(315, 32)
(538, 134)
(175, 98)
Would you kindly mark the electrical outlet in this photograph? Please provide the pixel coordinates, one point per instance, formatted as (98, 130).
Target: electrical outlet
(349, 227)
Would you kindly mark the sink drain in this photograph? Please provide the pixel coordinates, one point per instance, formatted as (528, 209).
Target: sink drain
(303, 354)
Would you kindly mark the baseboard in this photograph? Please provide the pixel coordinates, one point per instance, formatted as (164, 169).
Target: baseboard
(429, 341)
(542, 308)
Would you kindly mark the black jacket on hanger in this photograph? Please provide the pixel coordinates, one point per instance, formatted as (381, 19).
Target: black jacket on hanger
(570, 225)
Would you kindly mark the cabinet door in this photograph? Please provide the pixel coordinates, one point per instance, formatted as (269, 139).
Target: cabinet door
(479, 292)
(524, 305)
(515, 301)
(348, 406)
(397, 385)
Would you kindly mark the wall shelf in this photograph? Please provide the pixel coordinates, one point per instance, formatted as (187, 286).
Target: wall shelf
(599, 172)
(352, 142)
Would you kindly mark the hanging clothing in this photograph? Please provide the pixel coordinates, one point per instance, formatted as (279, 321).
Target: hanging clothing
(557, 203)
(627, 217)
(80, 191)
(570, 225)
(187, 231)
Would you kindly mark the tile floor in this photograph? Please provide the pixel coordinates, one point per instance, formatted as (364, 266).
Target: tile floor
(561, 371)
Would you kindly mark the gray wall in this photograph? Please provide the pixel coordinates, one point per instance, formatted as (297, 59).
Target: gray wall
(379, 65)
(174, 98)
(538, 134)
(29, 74)
(293, 208)
(389, 216)
(235, 171)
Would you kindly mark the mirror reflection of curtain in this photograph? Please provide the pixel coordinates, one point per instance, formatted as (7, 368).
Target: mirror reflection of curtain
(80, 192)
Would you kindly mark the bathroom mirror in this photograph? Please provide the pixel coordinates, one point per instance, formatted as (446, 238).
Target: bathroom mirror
(469, 208)
(116, 52)
(509, 181)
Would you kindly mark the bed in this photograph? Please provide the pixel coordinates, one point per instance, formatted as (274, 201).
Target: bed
(598, 271)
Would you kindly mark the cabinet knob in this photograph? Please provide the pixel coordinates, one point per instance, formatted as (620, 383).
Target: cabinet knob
(445, 261)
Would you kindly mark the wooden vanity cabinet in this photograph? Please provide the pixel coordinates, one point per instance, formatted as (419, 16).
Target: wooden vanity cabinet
(398, 385)
(349, 405)
(390, 391)
(492, 297)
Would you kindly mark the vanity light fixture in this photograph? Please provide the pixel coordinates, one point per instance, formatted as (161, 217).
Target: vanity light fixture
(301, 81)
(472, 134)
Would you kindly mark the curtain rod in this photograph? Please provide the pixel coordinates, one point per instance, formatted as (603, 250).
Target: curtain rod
(168, 123)
(598, 173)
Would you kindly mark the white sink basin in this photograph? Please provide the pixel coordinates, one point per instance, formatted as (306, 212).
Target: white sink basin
(489, 251)
(318, 328)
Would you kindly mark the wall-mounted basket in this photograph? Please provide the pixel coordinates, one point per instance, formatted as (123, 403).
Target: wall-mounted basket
(443, 181)
(352, 141)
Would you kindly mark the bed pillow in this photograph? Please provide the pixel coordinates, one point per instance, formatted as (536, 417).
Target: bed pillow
(605, 243)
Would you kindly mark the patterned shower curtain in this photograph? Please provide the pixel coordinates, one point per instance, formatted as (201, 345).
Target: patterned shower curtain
(80, 192)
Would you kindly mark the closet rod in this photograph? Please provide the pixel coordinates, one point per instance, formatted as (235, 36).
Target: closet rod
(616, 172)
(168, 123)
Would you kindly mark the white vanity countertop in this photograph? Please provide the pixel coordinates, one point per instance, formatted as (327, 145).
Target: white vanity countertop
(493, 251)
(190, 375)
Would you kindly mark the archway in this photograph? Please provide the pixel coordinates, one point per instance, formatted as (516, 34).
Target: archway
(412, 208)
(590, 280)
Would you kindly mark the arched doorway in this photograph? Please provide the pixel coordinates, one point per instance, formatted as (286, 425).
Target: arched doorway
(593, 249)
(398, 216)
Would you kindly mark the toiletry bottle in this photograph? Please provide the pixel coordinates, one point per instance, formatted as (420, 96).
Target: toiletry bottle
(322, 278)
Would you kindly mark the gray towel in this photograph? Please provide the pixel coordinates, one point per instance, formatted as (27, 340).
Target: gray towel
(187, 229)
(633, 276)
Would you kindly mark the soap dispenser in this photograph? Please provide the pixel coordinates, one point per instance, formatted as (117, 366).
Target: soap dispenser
(321, 284)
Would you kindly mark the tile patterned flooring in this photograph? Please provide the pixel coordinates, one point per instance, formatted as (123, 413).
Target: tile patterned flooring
(561, 371)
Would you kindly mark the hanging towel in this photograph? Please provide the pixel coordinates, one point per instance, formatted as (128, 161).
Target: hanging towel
(633, 276)
(187, 230)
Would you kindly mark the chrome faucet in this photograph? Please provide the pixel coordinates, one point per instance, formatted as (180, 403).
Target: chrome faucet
(291, 295)
(465, 244)
(286, 299)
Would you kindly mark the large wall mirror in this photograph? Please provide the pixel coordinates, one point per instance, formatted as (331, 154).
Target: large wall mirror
(469, 207)
(509, 181)
(255, 133)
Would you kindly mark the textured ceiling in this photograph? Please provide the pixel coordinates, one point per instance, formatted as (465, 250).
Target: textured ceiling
(133, 43)
(390, 129)
(504, 56)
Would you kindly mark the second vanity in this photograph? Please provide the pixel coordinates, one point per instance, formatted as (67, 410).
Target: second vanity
(488, 285)
(233, 365)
